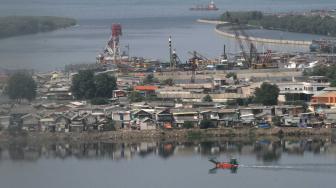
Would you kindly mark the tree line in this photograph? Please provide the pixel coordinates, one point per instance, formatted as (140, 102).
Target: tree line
(313, 24)
(97, 88)
(21, 85)
(328, 71)
(22, 25)
(86, 85)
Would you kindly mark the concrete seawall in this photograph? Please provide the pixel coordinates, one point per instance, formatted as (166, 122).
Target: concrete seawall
(219, 24)
(262, 40)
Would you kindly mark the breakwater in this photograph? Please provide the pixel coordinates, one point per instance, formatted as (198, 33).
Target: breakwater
(215, 22)
(219, 31)
(219, 24)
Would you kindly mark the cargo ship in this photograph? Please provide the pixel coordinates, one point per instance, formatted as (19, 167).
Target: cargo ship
(210, 7)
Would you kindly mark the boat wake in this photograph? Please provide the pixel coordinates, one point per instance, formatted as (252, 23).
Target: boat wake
(267, 166)
(327, 168)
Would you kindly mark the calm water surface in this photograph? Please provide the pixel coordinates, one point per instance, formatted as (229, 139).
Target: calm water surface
(147, 25)
(281, 163)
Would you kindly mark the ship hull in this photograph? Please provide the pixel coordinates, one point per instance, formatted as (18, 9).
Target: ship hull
(203, 9)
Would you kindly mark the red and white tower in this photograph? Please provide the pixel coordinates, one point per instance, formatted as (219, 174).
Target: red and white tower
(112, 47)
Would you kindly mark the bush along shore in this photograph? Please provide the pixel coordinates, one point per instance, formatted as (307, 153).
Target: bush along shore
(11, 26)
(167, 134)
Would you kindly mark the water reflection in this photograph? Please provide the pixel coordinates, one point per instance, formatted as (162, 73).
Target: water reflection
(265, 150)
(215, 170)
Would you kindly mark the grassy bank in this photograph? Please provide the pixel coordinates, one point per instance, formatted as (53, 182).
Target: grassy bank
(292, 23)
(23, 25)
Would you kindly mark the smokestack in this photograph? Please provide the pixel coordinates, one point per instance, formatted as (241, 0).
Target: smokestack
(170, 52)
(224, 52)
(169, 40)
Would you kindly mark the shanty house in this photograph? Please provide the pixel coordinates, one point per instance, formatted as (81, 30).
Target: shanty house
(122, 119)
(77, 124)
(182, 116)
(146, 124)
(47, 125)
(164, 117)
(62, 124)
(30, 122)
(227, 117)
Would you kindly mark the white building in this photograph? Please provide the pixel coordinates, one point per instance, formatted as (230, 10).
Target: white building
(308, 88)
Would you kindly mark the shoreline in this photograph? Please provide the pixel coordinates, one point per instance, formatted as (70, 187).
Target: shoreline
(181, 134)
(42, 32)
(254, 39)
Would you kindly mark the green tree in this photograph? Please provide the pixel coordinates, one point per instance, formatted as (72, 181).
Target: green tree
(206, 124)
(152, 97)
(276, 120)
(324, 25)
(244, 101)
(135, 96)
(231, 75)
(232, 102)
(21, 86)
(104, 85)
(169, 82)
(323, 70)
(109, 125)
(22, 25)
(207, 98)
(320, 70)
(83, 85)
(99, 101)
(267, 94)
(150, 79)
(188, 125)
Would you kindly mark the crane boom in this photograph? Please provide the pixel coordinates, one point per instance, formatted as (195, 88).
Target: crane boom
(198, 55)
(236, 26)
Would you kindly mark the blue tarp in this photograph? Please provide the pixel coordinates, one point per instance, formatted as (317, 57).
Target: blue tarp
(264, 125)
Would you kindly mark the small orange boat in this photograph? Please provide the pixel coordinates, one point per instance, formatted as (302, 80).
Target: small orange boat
(231, 165)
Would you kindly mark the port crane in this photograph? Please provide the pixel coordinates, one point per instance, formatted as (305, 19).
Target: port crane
(175, 59)
(195, 54)
(253, 60)
(197, 60)
(234, 25)
(194, 62)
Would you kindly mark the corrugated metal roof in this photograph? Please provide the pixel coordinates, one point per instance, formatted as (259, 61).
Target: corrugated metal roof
(145, 88)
